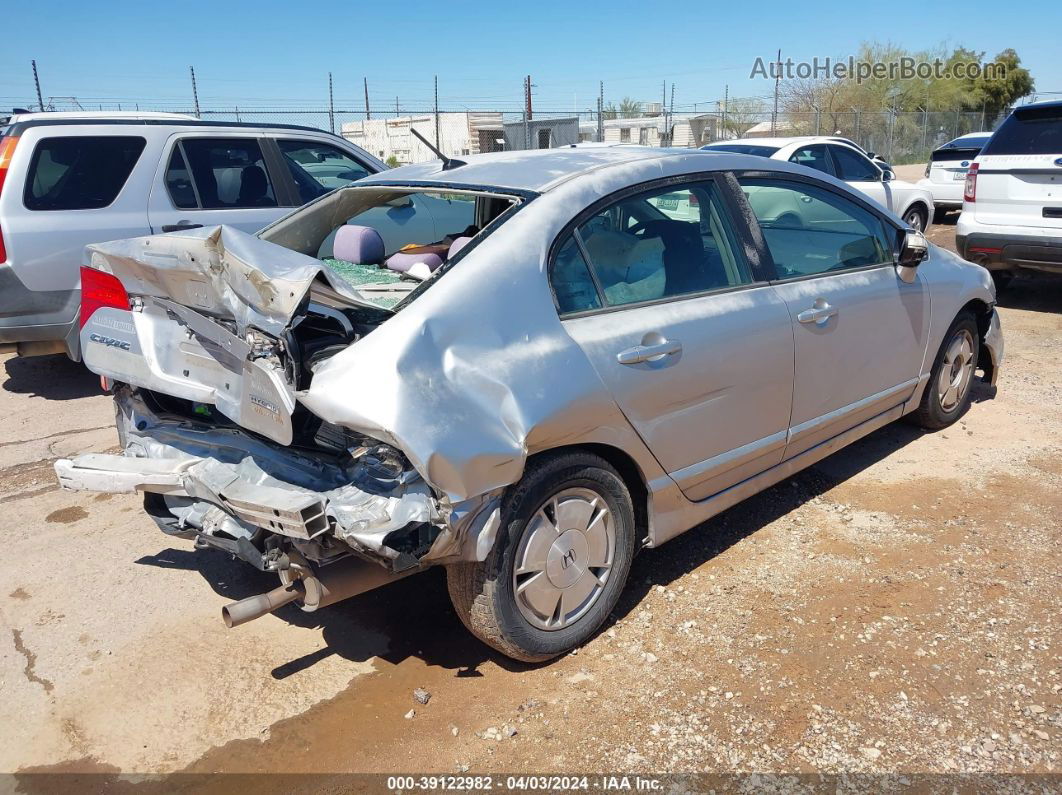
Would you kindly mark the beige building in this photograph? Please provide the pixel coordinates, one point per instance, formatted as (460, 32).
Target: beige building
(459, 134)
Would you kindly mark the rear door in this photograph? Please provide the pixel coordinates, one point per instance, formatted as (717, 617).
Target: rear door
(216, 178)
(1019, 176)
(695, 347)
(859, 331)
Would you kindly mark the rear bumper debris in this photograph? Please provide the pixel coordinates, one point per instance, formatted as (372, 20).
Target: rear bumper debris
(225, 483)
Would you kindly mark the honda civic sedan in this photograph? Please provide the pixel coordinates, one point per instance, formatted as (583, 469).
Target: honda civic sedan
(602, 349)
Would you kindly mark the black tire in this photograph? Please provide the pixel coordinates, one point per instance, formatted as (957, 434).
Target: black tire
(922, 218)
(930, 413)
(483, 593)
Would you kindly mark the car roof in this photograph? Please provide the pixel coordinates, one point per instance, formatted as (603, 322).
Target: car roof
(541, 170)
(96, 115)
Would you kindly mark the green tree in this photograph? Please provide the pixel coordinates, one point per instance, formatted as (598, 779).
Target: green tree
(1012, 82)
(392, 161)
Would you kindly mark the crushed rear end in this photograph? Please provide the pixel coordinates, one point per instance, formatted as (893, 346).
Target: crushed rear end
(209, 341)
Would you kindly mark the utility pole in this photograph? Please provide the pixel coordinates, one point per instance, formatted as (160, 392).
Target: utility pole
(37, 83)
(396, 107)
(527, 97)
(331, 107)
(726, 102)
(437, 142)
(600, 111)
(195, 92)
(366, 81)
(777, 79)
(671, 116)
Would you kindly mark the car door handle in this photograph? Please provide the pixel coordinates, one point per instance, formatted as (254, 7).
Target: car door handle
(819, 313)
(649, 353)
(177, 227)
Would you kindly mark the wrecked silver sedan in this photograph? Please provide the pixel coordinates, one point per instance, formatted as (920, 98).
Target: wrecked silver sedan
(592, 351)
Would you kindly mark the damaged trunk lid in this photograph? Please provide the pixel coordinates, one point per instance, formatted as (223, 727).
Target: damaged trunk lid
(209, 319)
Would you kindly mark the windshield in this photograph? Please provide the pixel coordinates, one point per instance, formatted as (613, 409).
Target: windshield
(743, 149)
(387, 241)
(1029, 131)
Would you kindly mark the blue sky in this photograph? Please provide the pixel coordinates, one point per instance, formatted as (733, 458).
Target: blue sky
(279, 55)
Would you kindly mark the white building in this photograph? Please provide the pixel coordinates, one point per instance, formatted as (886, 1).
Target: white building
(459, 134)
(688, 130)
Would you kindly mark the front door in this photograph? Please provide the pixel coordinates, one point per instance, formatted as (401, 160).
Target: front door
(859, 331)
(697, 352)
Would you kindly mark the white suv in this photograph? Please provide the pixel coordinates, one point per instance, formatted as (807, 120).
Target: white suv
(946, 170)
(70, 179)
(849, 164)
(1012, 203)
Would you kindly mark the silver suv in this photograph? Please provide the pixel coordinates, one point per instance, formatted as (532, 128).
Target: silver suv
(71, 179)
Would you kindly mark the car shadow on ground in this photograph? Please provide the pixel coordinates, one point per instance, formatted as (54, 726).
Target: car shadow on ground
(413, 617)
(50, 377)
(1034, 292)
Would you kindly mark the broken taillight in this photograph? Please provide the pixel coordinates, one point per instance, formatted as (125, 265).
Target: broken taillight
(7, 149)
(99, 290)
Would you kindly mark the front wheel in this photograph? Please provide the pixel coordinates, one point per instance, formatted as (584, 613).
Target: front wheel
(561, 559)
(947, 395)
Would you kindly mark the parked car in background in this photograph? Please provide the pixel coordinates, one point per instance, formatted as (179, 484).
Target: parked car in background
(1012, 200)
(946, 170)
(847, 163)
(70, 179)
(622, 343)
(872, 155)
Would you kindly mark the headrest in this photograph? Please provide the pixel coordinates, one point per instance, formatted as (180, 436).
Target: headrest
(402, 261)
(359, 244)
(457, 245)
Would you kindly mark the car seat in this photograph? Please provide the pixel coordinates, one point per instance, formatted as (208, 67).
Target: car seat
(358, 244)
(253, 188)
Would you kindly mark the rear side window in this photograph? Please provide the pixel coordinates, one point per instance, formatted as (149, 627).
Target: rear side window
(219, 173)
(742, 149)
(80, 172)
(572, 283)
(1028, 131)
(664, 243)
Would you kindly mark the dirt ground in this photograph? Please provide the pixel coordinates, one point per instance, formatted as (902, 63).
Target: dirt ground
(894, 608)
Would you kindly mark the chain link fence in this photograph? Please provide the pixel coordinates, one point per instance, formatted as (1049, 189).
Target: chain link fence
(898, 137)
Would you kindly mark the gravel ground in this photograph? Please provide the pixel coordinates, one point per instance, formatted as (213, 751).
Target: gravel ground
(894, 608)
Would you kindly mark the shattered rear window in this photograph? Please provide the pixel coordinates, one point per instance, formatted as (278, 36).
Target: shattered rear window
(387, 241)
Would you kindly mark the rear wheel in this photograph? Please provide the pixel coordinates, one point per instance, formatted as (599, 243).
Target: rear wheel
(947, 395)
(559, 564)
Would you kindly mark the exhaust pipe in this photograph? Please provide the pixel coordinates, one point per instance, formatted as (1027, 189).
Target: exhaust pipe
(257, 606)
(325, 586)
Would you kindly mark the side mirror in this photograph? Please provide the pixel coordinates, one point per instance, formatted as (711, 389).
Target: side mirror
(872, 155)
(887, 175)
(915, 249)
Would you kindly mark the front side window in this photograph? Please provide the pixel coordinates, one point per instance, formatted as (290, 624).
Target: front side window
(223, 173)
(853, 167)
(810, 230)
(812, 157)
(663, 243)
(318, 168)
(80, 172)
